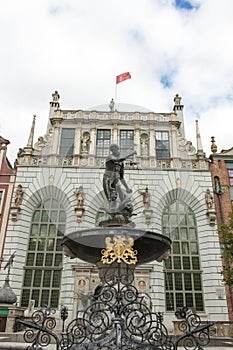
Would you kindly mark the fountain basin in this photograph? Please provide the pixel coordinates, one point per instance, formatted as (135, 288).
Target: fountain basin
(87, 244)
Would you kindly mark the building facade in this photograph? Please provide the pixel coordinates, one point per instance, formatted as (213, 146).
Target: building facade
(222, 179)
(59, 184)
(7, 177)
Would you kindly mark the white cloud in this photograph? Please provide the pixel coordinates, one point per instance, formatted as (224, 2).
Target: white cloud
(78, 47)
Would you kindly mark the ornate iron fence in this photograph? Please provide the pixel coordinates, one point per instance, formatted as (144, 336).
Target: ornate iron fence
(118, 317)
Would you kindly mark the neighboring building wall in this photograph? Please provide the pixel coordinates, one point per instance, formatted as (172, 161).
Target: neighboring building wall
(220, 167)
(7, 177)
(222, 197)
(166, 163)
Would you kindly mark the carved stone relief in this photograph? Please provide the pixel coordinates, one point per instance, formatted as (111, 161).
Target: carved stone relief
(43, 141)
(79, 210)
(185, 146)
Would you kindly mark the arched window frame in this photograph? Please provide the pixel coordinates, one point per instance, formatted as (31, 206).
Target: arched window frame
(44, 260)
(182, 271)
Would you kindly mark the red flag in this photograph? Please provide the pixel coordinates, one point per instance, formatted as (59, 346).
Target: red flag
(122, 77)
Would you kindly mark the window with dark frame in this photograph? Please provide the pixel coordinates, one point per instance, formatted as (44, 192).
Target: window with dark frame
(103, 140)
(126, 141)
(44, 261)
(67, 142)
(1, 200)
(230, 175)
(162, 144)
(183, 280)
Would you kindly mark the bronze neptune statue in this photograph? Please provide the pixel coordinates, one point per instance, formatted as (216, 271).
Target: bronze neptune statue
(115, 187)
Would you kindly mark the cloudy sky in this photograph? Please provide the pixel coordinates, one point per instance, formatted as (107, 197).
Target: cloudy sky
(79, 46)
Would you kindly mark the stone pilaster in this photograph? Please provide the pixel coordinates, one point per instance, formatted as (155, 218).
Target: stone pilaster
(93, 140)
(152, 142)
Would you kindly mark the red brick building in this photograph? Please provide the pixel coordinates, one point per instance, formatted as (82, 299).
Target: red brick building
(222, 178)
(7, 178)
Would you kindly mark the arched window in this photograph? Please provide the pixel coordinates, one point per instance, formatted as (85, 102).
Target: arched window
(217, 185)
(43, 266)
(183, 280)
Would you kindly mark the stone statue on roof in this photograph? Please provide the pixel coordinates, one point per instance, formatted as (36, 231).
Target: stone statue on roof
(112, 105)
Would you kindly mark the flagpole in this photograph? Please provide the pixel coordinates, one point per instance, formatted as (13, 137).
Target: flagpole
(115, 96)
(119, 79)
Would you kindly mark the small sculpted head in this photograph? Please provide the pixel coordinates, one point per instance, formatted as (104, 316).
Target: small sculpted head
(114, 148)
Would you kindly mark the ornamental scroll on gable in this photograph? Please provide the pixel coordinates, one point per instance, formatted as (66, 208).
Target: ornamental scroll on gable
(43, 141)
(185, 146)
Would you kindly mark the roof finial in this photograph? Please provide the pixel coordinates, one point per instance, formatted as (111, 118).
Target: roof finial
(55, 102)
(199, 142)
(177, 106)
(214, 148)
(31, 136)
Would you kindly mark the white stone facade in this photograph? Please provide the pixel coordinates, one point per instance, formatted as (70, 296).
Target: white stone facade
(184, 176)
